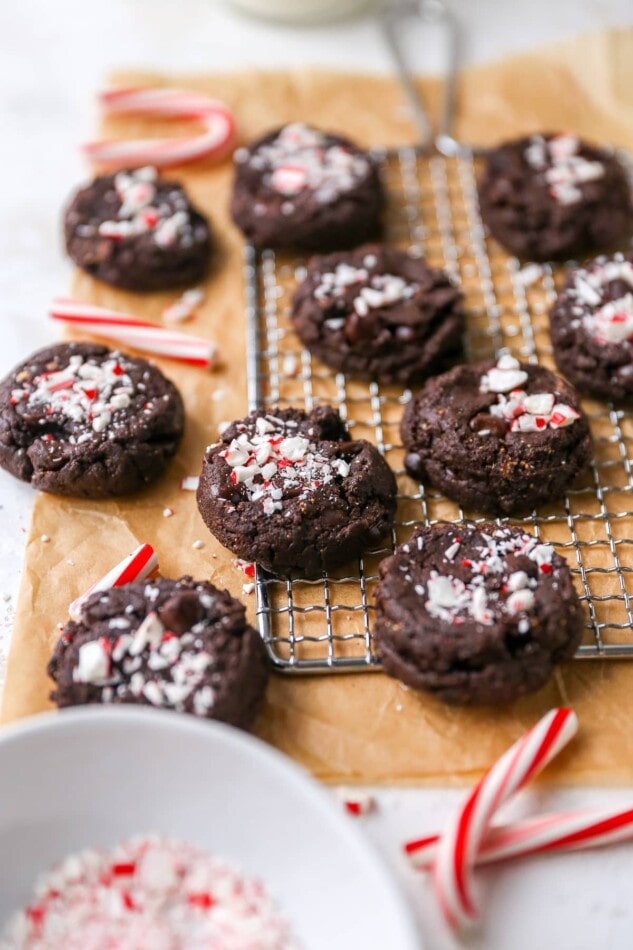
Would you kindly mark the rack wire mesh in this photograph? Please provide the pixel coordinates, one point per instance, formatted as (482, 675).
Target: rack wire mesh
(325, 625)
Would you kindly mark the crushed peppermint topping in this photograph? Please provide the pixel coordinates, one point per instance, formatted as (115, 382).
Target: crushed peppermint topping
(271, 459)
(450, 598)
(148, 892)
(88, 392)
(290, 365)
(300, 160)
(142, 210)
(503, 377)
(150, 664)
(563, 168)
(372, 290)
(246, 567)
(606, 321)
(525, 413)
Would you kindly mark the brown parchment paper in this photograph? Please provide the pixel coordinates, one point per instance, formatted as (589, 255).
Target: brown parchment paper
(353, 727)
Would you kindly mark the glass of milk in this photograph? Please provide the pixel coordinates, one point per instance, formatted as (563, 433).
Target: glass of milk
(303, 11)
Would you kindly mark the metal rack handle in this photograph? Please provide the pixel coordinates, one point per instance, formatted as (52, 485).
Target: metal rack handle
(433, 12)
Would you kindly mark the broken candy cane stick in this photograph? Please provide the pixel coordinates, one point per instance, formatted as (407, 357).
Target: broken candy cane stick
(141, 564)
(566, 831)
(139, 334)
(215, 142)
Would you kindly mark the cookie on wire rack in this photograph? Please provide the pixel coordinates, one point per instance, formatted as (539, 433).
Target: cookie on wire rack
(591, 324)
(379, 313)
(293, 492)
(499, 437)
(554, 196)
(298, 187)
(475, 613)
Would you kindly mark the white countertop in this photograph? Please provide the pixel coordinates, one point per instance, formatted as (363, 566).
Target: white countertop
(52, 57)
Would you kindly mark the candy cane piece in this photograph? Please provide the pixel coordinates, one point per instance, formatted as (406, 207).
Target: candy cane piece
(131, 331)
(189, 483)
(457, 852)
(568, 831)
(215, 142)
(141, 564)
(356, 803)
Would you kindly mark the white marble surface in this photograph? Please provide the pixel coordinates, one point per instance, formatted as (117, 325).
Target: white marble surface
(52, 56)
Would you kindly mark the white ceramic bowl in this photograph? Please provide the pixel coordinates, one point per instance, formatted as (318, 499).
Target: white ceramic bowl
(94, 776)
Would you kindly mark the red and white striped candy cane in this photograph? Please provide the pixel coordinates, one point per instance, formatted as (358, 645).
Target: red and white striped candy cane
(130, 331)
(141, 564)
(215, 142)
(458, 849)
(565, 831)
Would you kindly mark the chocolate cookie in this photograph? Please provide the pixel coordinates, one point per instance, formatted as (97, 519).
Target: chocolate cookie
(182, 645)
(497, 438)
(475, 613)
(302, 188)
(551, 196)
(136, 231)
(81, 419)
(291, 491)
(379, 313)
(591, 324)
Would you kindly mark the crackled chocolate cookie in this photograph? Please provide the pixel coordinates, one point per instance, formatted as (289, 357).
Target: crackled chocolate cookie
(291, 491)
(302, 188)
(81, 419)
(182, 645)
(137, 231)
(552, 196)
(475, 613)
(591, 324)
(379, 313)
(499, 438)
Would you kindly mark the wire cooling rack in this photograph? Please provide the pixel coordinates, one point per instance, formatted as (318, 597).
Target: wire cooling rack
(433, 210)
